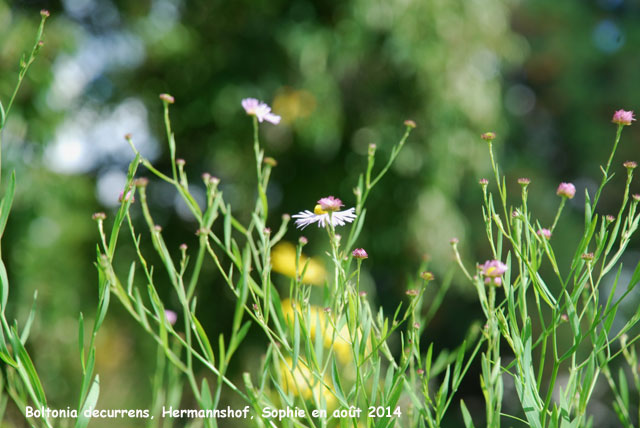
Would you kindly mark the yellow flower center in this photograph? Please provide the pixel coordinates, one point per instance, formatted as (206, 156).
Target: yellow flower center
(318, 210)
(491, 271)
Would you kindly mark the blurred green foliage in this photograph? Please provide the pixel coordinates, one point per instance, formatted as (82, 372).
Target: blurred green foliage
(545, 75)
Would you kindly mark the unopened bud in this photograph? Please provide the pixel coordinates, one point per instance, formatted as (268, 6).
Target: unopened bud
(427, 276)
(488, 136)
(167, 98)
(270, 161)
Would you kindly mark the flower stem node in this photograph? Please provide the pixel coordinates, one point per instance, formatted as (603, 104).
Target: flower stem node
(360, 253)
(566, 190)
(167, 98)
(623, 117)
(202, 231)
(488, 136)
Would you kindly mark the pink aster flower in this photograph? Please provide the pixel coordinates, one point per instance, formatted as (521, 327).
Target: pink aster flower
(260, 110)
(324, 212)
(544, 233)
(360, 253)
(492, 270)
(566, 190)
(623, 117)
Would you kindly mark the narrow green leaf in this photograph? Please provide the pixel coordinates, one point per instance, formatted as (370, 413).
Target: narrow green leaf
(296, 339)
(624, 388)
(227, 229)
(81, 339)
(337, 386)
(32, 314)
(25, 363)
(89, 403)
(3, 116)
(468, 420)
(205, 394)
(635, 278)
(4, 287)
(131, 277)
(203, 339)
(7, 201)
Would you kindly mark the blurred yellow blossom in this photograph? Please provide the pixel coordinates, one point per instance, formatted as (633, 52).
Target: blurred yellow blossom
(302, 382)
(283, 260)
(318, 318)
(293, 104)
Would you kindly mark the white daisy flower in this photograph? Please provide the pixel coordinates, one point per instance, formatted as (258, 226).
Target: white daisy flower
(326, 210)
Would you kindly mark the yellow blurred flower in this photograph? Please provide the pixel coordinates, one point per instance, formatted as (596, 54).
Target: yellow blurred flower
(283, 260)
(292, 104)
(318, 321)
(304, 384)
